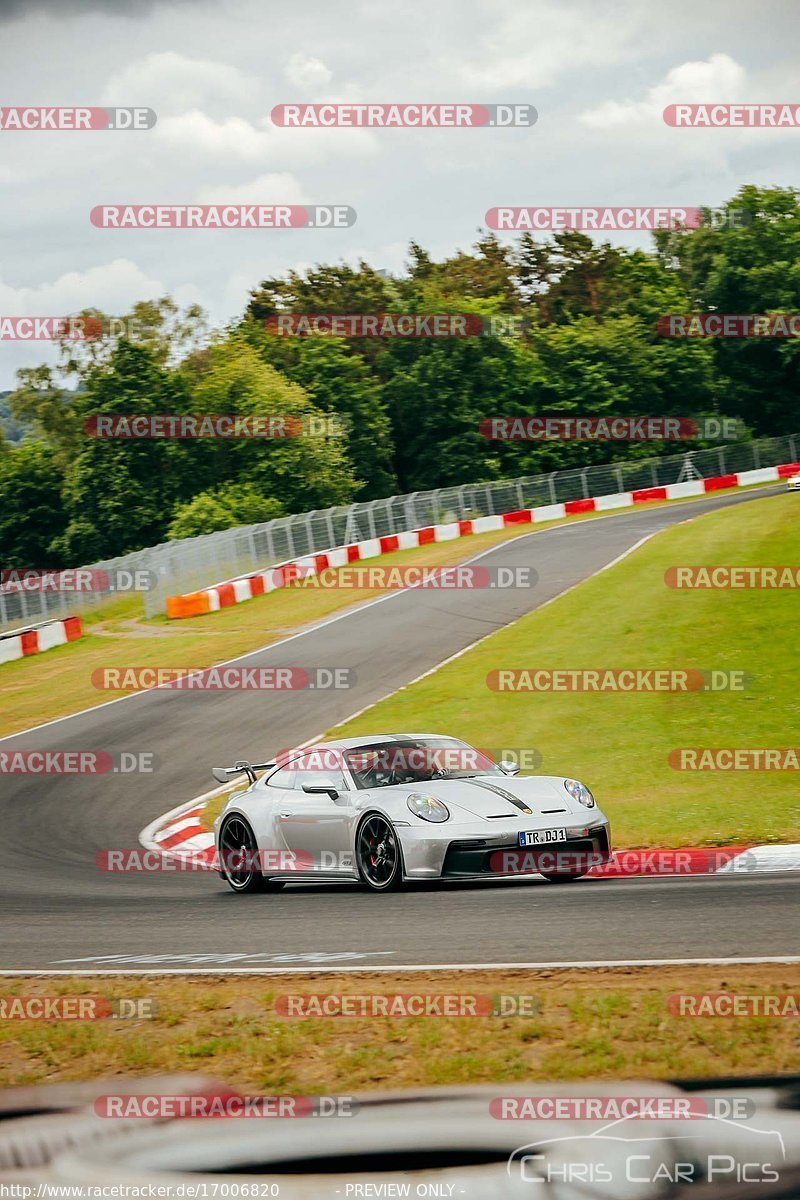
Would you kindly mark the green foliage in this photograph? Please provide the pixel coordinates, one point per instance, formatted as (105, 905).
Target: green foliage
(748, 263)
(437, 394)
(225, 507)
(303, 472)
(119, 494)
(607, 368)
(40, 403)
(485, 273)
(341, 382)
(31, 512)
(11, 429)
(159, 326)
(322, 289)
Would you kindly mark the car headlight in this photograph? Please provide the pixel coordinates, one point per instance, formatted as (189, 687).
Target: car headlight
(428, 807)
(579, 792)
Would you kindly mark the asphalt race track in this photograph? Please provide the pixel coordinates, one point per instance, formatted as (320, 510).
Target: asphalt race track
(61, 912)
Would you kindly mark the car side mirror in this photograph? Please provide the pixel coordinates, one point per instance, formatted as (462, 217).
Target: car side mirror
(508, 767)
(324, 787)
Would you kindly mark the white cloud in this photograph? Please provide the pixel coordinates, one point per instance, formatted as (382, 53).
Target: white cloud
(277, 188)
(718, 79)
(236, 291)
(113, 288)
(238, 139)
(532, 45)
(170, 82)
(305, 71)
(196, 131)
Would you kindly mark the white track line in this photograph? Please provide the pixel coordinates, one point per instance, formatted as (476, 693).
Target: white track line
(786, 960)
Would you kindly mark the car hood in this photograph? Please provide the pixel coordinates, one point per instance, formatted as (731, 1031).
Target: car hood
(494, 796)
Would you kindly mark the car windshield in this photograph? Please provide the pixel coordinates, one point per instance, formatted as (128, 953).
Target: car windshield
(386, 764)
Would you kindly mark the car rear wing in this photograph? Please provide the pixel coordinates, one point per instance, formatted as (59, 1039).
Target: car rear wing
(223, 774)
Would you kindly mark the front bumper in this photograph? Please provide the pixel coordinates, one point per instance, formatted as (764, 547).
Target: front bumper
(469, 851)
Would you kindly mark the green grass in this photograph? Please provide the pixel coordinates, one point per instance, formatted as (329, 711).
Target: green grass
(609, 1023)
(618, 743)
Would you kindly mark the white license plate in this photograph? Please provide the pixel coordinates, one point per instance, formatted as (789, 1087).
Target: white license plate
(542, 837)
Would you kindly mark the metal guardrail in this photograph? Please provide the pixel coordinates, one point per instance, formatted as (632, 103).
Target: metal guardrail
(193, 563)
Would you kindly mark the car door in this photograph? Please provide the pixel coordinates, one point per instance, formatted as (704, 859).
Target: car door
(278, 790)
(315, 827)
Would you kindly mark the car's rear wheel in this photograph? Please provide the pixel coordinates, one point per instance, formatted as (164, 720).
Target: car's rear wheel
(239, 859)
(562, 876)
(378, 855)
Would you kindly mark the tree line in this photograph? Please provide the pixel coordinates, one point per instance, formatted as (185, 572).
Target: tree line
(585, 343)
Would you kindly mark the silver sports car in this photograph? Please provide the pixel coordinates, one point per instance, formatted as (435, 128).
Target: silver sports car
(399, 807)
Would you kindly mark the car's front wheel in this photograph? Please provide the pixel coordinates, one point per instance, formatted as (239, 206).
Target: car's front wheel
(378, 856)
(239, 859)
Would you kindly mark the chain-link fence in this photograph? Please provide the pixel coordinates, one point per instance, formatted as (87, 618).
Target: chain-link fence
(184, 566)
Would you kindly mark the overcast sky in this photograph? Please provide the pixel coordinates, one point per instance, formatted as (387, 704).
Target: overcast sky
(599, 75)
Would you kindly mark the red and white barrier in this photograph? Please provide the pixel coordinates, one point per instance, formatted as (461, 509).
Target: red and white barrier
(234, 591)
(19, 643)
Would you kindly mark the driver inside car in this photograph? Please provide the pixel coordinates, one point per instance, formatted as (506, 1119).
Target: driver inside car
(389, 766)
